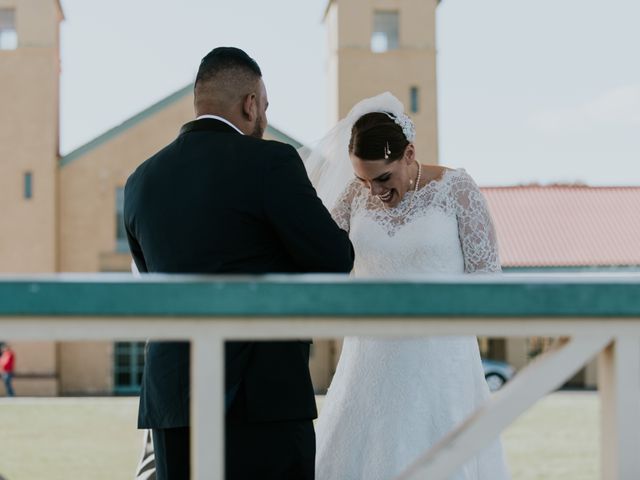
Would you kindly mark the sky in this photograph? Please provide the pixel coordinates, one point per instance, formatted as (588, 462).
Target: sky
(529, 91)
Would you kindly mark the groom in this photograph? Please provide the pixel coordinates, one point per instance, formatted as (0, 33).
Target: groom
(220, 200)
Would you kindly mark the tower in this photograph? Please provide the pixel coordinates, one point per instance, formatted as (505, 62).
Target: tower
(380, 45)
(29, 134)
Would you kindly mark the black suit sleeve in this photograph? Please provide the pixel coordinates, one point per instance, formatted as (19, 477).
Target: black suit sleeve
(136, 253)
(306, 228)
(134, 246)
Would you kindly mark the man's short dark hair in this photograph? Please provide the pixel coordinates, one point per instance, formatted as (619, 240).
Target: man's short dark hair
(223, 60)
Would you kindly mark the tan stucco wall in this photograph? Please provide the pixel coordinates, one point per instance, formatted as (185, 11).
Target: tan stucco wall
(35, 358)
(321, 364)
(517, 352)
(355, 72)
(86, 368)
(29, 85)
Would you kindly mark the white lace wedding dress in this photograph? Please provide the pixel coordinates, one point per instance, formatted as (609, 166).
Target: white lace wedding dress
(390, 400)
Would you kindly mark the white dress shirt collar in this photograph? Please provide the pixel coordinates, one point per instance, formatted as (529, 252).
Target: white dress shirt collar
(224, 120)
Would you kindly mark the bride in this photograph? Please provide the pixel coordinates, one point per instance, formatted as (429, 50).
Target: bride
(392, 399)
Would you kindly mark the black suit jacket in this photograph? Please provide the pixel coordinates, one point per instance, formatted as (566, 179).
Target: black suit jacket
(218, 202)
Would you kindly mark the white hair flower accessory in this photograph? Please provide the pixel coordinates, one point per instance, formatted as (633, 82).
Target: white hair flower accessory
(384, 103)
(408, 128)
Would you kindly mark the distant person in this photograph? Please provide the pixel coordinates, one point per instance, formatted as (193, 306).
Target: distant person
(7, 366)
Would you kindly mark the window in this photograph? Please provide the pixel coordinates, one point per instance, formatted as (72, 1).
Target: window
(8, 35)
(28, 185)
(415, 106)
(385, 31)
(121, 235)
(128, 363)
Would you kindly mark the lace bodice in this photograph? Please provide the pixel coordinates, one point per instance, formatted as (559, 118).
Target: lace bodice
(447, 229)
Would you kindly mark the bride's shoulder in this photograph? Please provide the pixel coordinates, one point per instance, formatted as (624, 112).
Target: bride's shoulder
(352, 191)
(354, 186)
(440, 174)
(458, 176)
(458, 184)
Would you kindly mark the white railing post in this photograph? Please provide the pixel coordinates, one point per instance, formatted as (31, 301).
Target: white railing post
(619, 385)
(207, 407)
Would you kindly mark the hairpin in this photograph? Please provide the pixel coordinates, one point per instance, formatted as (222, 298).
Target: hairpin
(387, 151)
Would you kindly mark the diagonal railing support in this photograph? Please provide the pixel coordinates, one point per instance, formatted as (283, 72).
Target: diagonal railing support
(536, 380)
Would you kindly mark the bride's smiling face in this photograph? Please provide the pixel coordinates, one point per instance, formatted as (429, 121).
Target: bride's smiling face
(389, 181)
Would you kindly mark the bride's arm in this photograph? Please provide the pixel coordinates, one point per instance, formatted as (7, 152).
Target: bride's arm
(341, 212)
(475, 227)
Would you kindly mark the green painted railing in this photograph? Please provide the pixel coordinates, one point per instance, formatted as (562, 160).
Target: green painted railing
(571, 295)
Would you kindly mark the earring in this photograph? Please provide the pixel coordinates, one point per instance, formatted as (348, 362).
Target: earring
(411, 183)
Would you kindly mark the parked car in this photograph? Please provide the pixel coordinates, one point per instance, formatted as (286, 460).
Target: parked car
(497, 373)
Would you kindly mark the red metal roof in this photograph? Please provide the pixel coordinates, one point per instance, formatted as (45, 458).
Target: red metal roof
(566, 225)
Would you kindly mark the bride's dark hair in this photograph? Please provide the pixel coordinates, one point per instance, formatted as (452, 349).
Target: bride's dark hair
(376, 133)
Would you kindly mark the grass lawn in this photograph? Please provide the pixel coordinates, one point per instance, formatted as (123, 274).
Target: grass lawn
(68, 438)
(95, 438)
(559, 438)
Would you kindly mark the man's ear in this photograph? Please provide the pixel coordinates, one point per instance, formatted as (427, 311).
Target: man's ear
(250, 107)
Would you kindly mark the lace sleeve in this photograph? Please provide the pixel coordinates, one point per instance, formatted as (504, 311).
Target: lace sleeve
(341, 212)
(475, 228)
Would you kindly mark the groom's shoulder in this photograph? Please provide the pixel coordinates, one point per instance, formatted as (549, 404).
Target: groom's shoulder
(270, 146)
(146, 164)
(272, 150)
